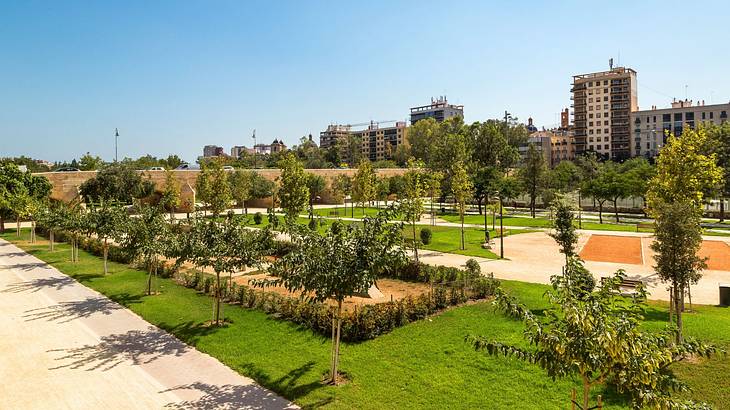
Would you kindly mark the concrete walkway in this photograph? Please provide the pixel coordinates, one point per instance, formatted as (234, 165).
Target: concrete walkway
(65, 346)
(535, 257)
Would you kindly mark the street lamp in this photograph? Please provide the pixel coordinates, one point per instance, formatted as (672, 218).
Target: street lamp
(116, 144)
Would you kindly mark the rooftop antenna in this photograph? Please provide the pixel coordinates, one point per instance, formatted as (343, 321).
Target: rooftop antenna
(685, 91)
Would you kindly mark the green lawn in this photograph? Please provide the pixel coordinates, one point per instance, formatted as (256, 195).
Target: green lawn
(422, 365)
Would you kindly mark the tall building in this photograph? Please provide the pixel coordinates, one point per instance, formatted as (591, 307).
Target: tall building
(602, 106)
(650, 127)
(333, 134)
(237, 150)
(565, 119)
(212, 151)
(439, 109)
(275, 146)
(380, 143)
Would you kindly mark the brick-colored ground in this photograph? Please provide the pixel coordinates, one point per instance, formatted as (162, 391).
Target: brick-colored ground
(718, 254)
(615, 249)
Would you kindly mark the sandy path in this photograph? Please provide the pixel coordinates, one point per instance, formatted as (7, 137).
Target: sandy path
(63, 345)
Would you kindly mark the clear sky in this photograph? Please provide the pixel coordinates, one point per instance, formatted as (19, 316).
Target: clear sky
(176, 75)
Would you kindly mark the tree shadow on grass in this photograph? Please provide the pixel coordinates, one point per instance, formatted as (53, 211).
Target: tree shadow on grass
(35, 285)
(77, 309)
(189, 332)
(228, 396)
(289, 384)
(135, 346)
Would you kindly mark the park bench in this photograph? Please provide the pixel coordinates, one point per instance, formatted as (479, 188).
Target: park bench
(627, 286)
(644, 225)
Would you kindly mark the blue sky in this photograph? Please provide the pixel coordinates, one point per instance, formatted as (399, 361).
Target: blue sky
(174, 76)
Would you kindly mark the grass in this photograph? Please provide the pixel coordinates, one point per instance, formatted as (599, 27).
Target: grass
(422, 365)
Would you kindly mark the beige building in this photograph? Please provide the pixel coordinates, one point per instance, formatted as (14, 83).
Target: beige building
(602, 104)
(650, 127)
(562, 147)
(380, 143)
(377, 143)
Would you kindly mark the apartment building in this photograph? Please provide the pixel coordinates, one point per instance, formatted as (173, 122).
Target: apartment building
(650, 127)
(439, 109)
(212, 151)
(561, 146)
(380, 143)
(541, 141)
(333, 134)
(602, 106)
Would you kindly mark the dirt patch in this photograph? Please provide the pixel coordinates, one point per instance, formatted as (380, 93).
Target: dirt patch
(718, 254)
(392, 289)
(610, 248)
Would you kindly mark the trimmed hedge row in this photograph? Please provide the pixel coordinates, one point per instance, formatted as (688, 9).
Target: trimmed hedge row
(362, 323)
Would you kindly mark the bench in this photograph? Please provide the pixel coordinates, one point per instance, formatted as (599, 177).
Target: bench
(644, 225)
(629, 285)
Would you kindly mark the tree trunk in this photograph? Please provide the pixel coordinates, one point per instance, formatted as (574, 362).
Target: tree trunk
(462, 232)
(217, 298)
(106, 253)
(722, 209)
(2, 223)
(532, 205)
(486, 229)
(17, 226)
(332, 349)
(336, 358)
(50, 237)
(433, 215)
(415, 244)
(615, 209)
(678, 296)
(586, 393)
(149, 278)
(32, 231)
(600, 212)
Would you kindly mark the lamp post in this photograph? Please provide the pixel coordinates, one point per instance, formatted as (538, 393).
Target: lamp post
(501, 230)
(116, 144)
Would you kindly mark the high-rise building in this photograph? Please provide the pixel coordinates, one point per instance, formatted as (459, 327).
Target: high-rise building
(650, 127)
(380, 143)
(333, 134)
(439, 109)
(212, 151)
(602, 106)
(237, 150)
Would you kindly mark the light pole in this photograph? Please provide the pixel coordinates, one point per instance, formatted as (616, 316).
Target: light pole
(254, 148)
(501, 230)
(116, 144)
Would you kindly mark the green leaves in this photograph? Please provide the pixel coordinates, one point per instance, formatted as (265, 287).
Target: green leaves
(293, 194)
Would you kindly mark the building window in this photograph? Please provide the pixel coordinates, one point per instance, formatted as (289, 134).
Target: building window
(606, 130)
(666, 117)
(677, 117)
(598, 131)
(605, 82)
(605, 90)
(605, 122)
(703, 115)
(712, 115)
(605, 146)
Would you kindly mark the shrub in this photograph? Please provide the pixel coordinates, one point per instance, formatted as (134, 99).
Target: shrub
(473, 268)
(426, 236)
(258, 218)
(313, 224)
(337, 226)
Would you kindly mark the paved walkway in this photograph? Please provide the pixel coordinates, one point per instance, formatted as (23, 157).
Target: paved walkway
(535, 257)
(64, 346)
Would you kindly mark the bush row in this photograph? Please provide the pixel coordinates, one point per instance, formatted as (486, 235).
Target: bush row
(362, 323)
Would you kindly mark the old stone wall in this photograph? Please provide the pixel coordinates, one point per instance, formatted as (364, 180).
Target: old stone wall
(66, 184)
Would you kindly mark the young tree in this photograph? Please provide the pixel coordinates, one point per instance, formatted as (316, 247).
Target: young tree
(341, 188)
(52, 218)
(73, 221)
(684, 174)
(242, 187)
(364, 185)
(144, 237)
(316, 185)
(89, 162)
(293, 192)
(226, 248)
(106, 220)
(564, 230)
(434, 188)
(338, 264)
(461, 189)
(599, 187)
(532, 174)
(170, 199)
(411, 202)
(597, 335)
(220, 188)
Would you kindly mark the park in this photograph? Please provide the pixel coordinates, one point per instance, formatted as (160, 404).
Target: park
(410, 287)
